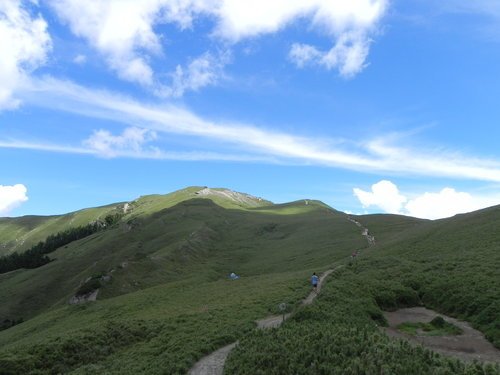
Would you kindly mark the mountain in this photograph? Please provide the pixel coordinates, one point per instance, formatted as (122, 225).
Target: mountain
(159, 275)
(18, 234)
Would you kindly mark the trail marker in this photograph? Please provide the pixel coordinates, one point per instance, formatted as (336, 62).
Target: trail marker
(282, 307)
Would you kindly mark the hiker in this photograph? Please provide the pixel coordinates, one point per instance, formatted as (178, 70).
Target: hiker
(314, 281)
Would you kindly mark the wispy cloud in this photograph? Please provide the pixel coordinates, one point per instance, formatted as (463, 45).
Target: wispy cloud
(205, 70)
(152, 154)
(489, 8)
(368, 155)
(348, 55)
(132, 140)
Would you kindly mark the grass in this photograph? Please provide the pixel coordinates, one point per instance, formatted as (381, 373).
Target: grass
(339, 334)
(436, 327)
(195, 237)
(20, 233)
(162, 329)
(448, 265)
(167, 300)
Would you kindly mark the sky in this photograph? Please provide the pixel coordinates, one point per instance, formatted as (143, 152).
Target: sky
(372, 106)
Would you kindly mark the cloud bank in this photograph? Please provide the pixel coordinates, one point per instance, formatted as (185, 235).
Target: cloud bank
(447, 202)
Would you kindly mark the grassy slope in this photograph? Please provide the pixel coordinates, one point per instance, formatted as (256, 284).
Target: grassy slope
(386, 226)
(194, 237)
(161, 312)
(338, 334)
(162, 329)
(191, 246)
(450, 265)
(18, 234)
(453, 266)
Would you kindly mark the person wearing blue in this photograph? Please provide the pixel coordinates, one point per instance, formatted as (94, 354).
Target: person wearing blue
(314, 281)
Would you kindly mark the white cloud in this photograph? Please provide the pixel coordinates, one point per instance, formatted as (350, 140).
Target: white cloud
(11, 197)
(348, 55)
(131, 141)
(121, 30)
(303, 54)
(429, 205)
(128, 50)
(445, 203)
(348, 24)
(24, 45)
(203, 71)
(384, 194)
(243, 19)
(373, 156)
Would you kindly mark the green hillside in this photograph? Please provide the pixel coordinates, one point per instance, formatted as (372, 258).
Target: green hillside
(164, 298)
(18, 234)
(449, 265)
(163, 245)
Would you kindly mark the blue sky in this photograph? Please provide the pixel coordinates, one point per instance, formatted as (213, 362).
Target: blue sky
(368, 105)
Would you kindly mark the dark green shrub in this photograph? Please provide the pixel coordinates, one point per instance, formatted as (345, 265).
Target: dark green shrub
(90, 286)
(438, 322)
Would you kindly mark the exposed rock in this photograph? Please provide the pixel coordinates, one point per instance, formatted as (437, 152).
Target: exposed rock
(240, 198)
(89, 297)
(99, 223)
(105, 278)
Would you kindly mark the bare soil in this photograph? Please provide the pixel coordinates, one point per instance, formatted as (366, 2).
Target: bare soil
(212, 364)
(470, 345)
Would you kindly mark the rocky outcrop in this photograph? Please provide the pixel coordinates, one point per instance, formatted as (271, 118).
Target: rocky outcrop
(239, 198)
(89, 297)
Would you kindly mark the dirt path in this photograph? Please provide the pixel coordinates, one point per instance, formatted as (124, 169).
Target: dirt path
(364, 231)
(468, 346)
(274, 321)
(213, 364)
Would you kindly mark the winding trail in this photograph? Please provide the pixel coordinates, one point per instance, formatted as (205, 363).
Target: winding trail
(213, 364)
(364, 231)
(275, 321)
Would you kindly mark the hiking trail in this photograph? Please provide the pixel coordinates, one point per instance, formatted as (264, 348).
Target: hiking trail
(213, 363)
(364, 231)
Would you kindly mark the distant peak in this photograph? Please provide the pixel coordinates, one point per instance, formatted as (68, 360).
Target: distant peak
(234, 196)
